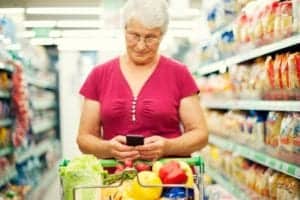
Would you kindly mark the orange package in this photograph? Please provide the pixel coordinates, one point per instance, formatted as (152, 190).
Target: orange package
(294, 70)
(269, 65)
(284, 71)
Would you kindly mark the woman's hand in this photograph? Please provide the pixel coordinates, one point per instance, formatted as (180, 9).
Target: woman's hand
(153, 148)
(120, 151)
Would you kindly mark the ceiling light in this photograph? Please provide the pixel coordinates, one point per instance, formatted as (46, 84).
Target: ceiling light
(81, 33)
(11, 10)
(80, 23)
(40, 23)
(42, 41)
(54, 34)
(27, 34)
(65, 11)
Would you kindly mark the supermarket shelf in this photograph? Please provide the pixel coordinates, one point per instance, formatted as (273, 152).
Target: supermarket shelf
(6, 151)
(248, 55)
(226, 183)
(253, 105)
(36, 151)
(251, 154)
(40, 83)
(43, 104)
(45, 181)
(10, 174)
(6, 67)
(4, 94)
(5, 122)
(42, 126)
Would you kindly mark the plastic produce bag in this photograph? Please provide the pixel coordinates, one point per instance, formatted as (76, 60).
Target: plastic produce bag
(82, 171)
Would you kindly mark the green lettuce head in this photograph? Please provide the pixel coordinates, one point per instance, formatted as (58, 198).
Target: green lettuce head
(84, 170)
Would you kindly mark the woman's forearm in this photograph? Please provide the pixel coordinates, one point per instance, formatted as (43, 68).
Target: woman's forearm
(90, 144)
(186, 144)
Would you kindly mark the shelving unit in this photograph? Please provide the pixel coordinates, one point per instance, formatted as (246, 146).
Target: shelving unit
(43, 104)
(42, 126)
(33, 151)
(11, 173)
(47, 179)
(4, 94)
(252, 105)
(6, 151)
(6, 67)
(256, 156)
(40, 83)
(248, 55)
(5, 122)
(226, 183)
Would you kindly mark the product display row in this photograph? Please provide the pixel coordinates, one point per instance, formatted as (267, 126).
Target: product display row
(29, 134)
(273, 132)
(249, 180)
(249, 81)
(268, 78)
(258, 23)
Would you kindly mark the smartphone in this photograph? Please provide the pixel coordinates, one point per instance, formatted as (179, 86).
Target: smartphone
(134, 140)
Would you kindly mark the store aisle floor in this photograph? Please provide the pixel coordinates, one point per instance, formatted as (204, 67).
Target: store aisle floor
(53, 191)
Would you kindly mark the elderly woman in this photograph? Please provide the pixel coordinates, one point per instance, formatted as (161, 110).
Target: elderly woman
(141, 92)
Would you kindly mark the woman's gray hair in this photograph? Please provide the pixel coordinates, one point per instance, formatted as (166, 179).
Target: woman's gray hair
(151, 13)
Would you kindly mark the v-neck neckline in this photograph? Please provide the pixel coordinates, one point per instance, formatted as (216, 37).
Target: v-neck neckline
(145, 83)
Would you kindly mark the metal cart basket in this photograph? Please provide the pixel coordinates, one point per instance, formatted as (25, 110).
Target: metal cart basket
(197, 191)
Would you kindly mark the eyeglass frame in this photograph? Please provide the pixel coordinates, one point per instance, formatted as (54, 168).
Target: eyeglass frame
(136, 38)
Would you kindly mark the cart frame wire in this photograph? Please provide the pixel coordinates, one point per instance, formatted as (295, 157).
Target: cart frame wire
(196, 161)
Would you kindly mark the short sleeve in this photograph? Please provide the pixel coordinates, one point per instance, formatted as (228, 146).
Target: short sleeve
(187, 85)
(89, 88)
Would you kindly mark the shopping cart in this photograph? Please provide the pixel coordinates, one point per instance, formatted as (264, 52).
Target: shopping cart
(198, 189)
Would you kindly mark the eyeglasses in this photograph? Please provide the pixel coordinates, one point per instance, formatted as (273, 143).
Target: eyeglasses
(149, 40)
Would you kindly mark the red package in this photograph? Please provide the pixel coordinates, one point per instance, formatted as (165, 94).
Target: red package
(297, 67)
(284, 71)
(270, 71)
(294, 72)
(277, 74)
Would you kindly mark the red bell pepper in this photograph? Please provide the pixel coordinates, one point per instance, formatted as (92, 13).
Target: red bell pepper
(171, 173)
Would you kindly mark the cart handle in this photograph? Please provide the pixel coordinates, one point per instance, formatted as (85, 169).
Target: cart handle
(195, 161)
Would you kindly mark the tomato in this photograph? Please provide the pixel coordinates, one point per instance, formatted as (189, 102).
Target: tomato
(128, 163)
(142, 166)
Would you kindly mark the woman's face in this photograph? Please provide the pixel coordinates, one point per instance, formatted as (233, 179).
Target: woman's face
(141, 43)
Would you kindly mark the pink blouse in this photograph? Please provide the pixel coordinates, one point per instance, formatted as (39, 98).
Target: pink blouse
(155, 111)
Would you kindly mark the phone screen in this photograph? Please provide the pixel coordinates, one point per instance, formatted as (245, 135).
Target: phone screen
(134, 140)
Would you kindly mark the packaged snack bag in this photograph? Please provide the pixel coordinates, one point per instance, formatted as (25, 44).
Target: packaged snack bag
(269, 65)
(273, 184)
(277, 22)
(294, 70)
(277, 66)
(273, 128)
(286, 16)
(297, 63)
(286, 129)
(293, 188)
(294, 136)
(268, 20)
(296, 15)
(282, 188)
(284, 71)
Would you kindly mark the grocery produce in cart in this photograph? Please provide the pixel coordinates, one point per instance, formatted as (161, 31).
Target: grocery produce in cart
(84, 178)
